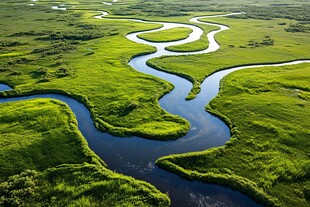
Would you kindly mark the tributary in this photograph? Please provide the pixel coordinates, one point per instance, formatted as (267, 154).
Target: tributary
(136, 156)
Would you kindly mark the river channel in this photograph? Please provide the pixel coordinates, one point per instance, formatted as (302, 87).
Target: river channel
(136, 156)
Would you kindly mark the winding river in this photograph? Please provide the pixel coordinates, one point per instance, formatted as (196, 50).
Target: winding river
(136, 156)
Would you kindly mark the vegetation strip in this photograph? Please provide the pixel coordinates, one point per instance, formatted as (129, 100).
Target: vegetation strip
(267, 156)
(61, 169)
(270, 44)
(66, 71)
(169, 35)
(59, 61)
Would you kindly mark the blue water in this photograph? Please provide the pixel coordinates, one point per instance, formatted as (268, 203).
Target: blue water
(136, 156)
(4, 87)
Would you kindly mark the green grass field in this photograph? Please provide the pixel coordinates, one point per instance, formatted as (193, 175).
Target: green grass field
(69, 52)
(30, 140)
(87, 60)
(240, 46)
(168, 35)
(198, 45)
(268, 110)
(42, 136)
(54, 50)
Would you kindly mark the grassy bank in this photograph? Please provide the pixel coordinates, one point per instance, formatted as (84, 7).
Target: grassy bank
(61, 169)
(268, 154)
(168, 35)
(85, 58)
(69, 52)
(198, 45)
(240, 46)
(30, 140)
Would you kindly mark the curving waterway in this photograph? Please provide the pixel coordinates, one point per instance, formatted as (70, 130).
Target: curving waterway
(136, 156)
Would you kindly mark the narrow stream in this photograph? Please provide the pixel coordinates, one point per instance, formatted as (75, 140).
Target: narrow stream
(136, 156)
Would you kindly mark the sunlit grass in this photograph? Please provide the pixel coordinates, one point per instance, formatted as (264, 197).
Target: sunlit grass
(268, 154)
(236, 49)
(168, 35)
(121, 100)
(41, 144)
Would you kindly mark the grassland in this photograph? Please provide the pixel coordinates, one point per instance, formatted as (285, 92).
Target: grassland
(201, 44)
(268, 110)
(61, 169)
(54, 51)
(74, 54)
(240, 46)
(198, 45)
(178, 8)
(30, 140)
(69, 52)
(168, 35)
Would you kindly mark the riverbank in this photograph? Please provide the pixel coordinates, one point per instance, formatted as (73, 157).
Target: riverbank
(239, 46)
(125, 152)
(168, 35)
(125, 105)
(45, 159)
(267, 156)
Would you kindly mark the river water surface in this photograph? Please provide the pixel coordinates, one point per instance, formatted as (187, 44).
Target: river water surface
(136, 156)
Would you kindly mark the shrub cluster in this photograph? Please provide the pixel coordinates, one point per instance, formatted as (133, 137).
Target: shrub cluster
(76, 35)
(276, 11)
(47, 75)
(14, 61)
(18, 188)
(267, 41)
(57, 47)
(64, 71)
(11, 43)
(30, 33)
(298, 28)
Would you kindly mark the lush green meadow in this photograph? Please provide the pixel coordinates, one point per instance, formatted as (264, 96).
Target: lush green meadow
(268, 110)
(74, 54)
(61, 169)
(179, 8)
(55, 49)
(69, 52)
(198, 45)
(168, 35)
(201, 44)
(267, 42)
(30, 140)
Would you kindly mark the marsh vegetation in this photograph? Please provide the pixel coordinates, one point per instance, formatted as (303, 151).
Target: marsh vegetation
(240, 46)
(167, 35)
(268, 154)
(46, 161)
(60, 61)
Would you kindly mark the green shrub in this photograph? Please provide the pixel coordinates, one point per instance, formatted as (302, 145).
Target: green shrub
(298, 28)
(19, 188)
(63, 72)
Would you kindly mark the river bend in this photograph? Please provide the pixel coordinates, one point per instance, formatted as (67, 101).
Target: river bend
(136, 156)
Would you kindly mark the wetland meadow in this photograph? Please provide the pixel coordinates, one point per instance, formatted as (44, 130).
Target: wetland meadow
(155, 103)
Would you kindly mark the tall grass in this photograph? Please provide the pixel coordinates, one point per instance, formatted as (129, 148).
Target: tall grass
(168, 35)
(269, 43)
(268, 154)
(45, 161)
(93, 68)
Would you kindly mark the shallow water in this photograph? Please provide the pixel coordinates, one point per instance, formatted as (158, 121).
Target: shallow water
(4, 87)
(136, 156)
